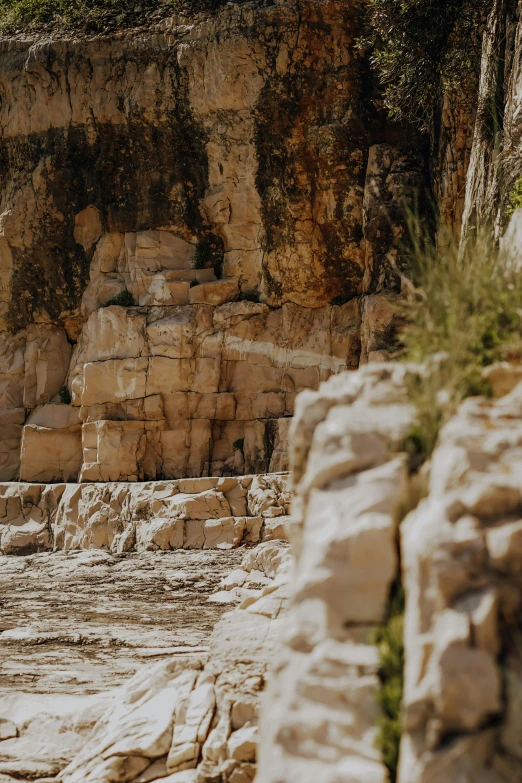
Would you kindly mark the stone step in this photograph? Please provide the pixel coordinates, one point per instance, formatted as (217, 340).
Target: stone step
(198, 513)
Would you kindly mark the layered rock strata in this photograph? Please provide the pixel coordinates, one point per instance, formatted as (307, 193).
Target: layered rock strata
(208, 513)
(229, 178)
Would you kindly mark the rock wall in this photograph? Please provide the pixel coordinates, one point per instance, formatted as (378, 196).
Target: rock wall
(461, 569)
(460, 564)
(229, 178)
(350, 483)
(203, 513)
(457, 554)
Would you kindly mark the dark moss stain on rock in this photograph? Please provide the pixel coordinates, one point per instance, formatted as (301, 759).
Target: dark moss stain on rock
(310, 137)
(138, 174)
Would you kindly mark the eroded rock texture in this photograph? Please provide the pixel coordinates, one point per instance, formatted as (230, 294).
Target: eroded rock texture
(119, 517)
(229, 178)
(321, 715)
(192, 715)
(462, 562)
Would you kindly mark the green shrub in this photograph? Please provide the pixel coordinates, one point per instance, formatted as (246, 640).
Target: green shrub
(515, 198)
(419, 47)
(465, 314)
(389, 641)
(65, 395)
(93, 15)
(123, 299)
(239, 444)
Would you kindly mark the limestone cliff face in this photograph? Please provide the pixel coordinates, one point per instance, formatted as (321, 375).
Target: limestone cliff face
(247, 129)
(231, 179)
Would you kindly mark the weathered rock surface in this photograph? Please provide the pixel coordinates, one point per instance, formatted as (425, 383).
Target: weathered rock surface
(262, 256)
(207, 513)
(75, 626)
(462, 559)
(195, 712)
(350, 480)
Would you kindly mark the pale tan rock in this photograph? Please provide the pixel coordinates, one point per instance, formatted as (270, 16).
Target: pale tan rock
(138, 727)
(46, 359)
(349, 485)
(157, 770)
(503, 377)
(276, 529)
(381, 318)
(114, 380)
(511, 737)
(113, 450)
(192, 726)
(160, 534)
(185, 776)
(11, 422)
(505, 546)
(166, 375)
(87, 227)
(242, 744)
(12, 369)
(455, 545)
(54, 417)
(269, 496)
(186, 448)
(107, 254)
(458, 701)
(178, 334)
(25, 537)
(159, 290)
(279, 461)
(215, 293)
(110, 333)
(50, 455)
(7, 729)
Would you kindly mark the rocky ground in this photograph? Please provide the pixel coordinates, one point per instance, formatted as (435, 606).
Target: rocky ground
(75, 625)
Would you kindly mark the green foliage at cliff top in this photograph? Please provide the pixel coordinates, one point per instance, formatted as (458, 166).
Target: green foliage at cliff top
(419, 47)
(92, 15)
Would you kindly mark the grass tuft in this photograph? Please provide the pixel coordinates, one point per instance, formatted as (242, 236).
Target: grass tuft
(464, 314)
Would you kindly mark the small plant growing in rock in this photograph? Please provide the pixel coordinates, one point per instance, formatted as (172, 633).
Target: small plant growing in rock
(464, 314)
(202, 255)
(390, 644)
(123, 299)
(515, 198)
(65, 395)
